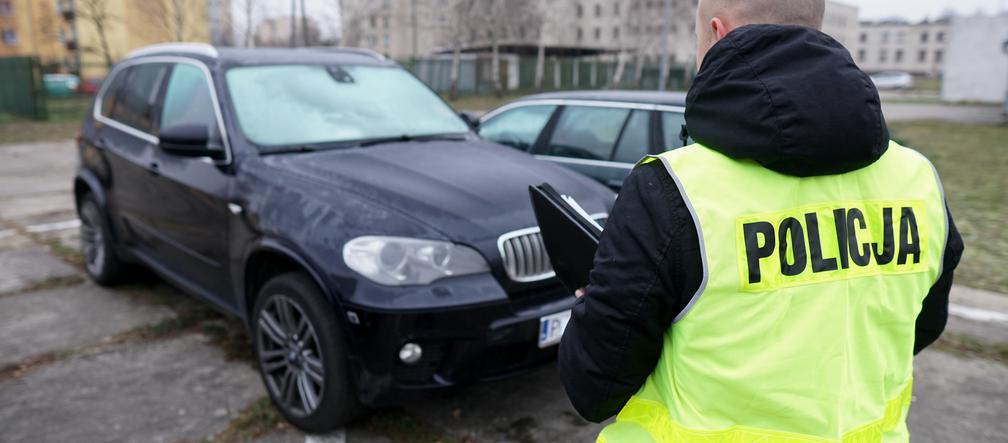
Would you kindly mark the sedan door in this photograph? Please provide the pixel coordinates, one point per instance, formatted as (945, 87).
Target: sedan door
(191, 215)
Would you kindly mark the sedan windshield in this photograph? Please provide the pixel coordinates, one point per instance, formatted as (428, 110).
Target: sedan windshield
(292, 105)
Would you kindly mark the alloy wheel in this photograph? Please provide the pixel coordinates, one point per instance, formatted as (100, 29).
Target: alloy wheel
(92, 240)
(290, 356)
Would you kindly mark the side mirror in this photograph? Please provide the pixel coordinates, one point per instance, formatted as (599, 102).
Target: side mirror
(189, 140)
(471, 119)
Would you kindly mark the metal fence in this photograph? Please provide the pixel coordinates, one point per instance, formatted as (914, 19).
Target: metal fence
(21, 89)
(518, 73)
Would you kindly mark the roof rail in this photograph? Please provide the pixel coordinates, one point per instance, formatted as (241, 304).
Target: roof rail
(349, 49)
(191, 48)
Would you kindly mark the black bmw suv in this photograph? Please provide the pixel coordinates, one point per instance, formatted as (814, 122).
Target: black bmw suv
(372, 243)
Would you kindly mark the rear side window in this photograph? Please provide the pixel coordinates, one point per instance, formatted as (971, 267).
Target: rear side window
(112, 91)
(672, 124)
(587, 132)
(188, 101)
(518, 127)
(633, 144)
(135, 102)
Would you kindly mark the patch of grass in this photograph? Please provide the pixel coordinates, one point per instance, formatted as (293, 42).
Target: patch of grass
(255, 420)
(968, 346)
(65, 117)
(480, 102)
(402, 427)
(49, 283)
(66, 253)
(973, 163)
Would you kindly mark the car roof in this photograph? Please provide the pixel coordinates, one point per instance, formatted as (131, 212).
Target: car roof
(645, 97)
(244, 56)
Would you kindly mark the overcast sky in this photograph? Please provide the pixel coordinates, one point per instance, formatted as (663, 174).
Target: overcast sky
(918, 9)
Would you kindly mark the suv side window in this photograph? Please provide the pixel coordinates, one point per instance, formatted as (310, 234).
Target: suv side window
(108, 100)
(587, 132)
(135, 102)
(633, 144)
(672, 123)
(188, 100)
(519, 127)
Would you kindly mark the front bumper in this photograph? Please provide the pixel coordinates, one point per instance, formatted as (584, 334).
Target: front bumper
(475, 340)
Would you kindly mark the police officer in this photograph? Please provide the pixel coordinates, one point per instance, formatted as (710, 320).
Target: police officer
(773, 281)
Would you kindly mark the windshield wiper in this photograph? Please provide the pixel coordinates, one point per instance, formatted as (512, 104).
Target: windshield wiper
(410, 138)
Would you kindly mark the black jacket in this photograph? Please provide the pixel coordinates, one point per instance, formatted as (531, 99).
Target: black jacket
(788, 97)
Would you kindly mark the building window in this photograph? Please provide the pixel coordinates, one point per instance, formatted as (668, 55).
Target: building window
(615, 33)
(864, 37)
(6, 9)
(939, 55)
(925, 36)
(899, 56)
(900, 36)
(10, 37)
(940, 37)
(922, 56)
(615, 9)
(580, 34)
(385, 40)
(374, 21)
(598, 10)
(885, 37)
(883, 56)
(862, 55)
(598, 34)
(385, 22)
(580, 10)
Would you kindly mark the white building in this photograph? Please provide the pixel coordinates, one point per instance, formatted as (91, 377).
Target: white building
(895, 45)
(841, 22)
(977, 65)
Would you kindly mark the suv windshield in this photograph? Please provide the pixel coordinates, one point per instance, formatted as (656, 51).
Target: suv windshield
(292, 105)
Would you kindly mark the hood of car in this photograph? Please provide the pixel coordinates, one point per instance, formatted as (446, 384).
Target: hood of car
(468, 190)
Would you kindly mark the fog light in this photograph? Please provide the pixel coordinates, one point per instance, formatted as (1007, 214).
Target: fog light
(410, 353)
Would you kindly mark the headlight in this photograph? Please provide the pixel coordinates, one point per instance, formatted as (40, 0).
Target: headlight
(400, 261)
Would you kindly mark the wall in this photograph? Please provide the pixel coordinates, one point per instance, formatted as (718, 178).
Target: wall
(977, 68)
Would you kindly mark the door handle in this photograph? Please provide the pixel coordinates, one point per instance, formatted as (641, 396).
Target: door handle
(154, 168)
(101, 143)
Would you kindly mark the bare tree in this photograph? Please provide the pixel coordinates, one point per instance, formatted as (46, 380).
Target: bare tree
(249, 8)
(554, 18)
(502, 21)
(96, 12)
(171, 18)
(456, 31)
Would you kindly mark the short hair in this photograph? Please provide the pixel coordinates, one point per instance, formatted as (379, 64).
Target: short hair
(808, 13)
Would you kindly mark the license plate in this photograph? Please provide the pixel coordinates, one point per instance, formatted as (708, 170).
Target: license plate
(551, 328)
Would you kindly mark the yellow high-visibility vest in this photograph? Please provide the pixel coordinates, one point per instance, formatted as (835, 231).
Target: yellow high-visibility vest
(802, 329)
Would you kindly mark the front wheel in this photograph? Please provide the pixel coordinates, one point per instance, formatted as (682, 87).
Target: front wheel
(97, 248)
(302, 355)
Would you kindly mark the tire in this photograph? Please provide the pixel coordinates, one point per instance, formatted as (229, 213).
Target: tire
(302, 355)
(97, 246)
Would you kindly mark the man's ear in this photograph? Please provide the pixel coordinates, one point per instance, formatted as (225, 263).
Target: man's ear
(718, 28)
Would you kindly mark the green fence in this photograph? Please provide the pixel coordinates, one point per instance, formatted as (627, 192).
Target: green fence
(21, 89)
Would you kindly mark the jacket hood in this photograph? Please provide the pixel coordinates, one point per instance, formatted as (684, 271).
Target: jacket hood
(788, 97)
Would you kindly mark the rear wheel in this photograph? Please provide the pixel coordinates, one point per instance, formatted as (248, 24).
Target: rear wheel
(97, 248)
(301, 351)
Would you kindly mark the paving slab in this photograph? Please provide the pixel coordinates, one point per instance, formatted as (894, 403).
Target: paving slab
(65, 318)
(530, 407)
(958, 399)
(28, 207)
(22, 267)
(12, 239)
(162, 391)
(356, 434)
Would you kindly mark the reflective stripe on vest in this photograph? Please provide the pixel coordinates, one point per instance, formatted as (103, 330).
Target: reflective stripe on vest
(802, 329)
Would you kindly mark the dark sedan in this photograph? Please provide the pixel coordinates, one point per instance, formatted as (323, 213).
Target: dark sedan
(373, 245)
(599, 133)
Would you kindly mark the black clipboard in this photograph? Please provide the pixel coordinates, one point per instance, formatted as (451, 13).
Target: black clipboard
(570, 238)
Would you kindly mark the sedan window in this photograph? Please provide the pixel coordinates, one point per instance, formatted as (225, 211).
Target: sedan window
(633, 144)
(587, 132)
(672, 123)
(518, 127)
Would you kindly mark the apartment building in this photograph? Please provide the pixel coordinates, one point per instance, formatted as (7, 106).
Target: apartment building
(977, 69)
(36, 27)
(895, 45)
(403, 29)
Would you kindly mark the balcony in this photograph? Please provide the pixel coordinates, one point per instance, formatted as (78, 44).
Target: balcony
(66, 9)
